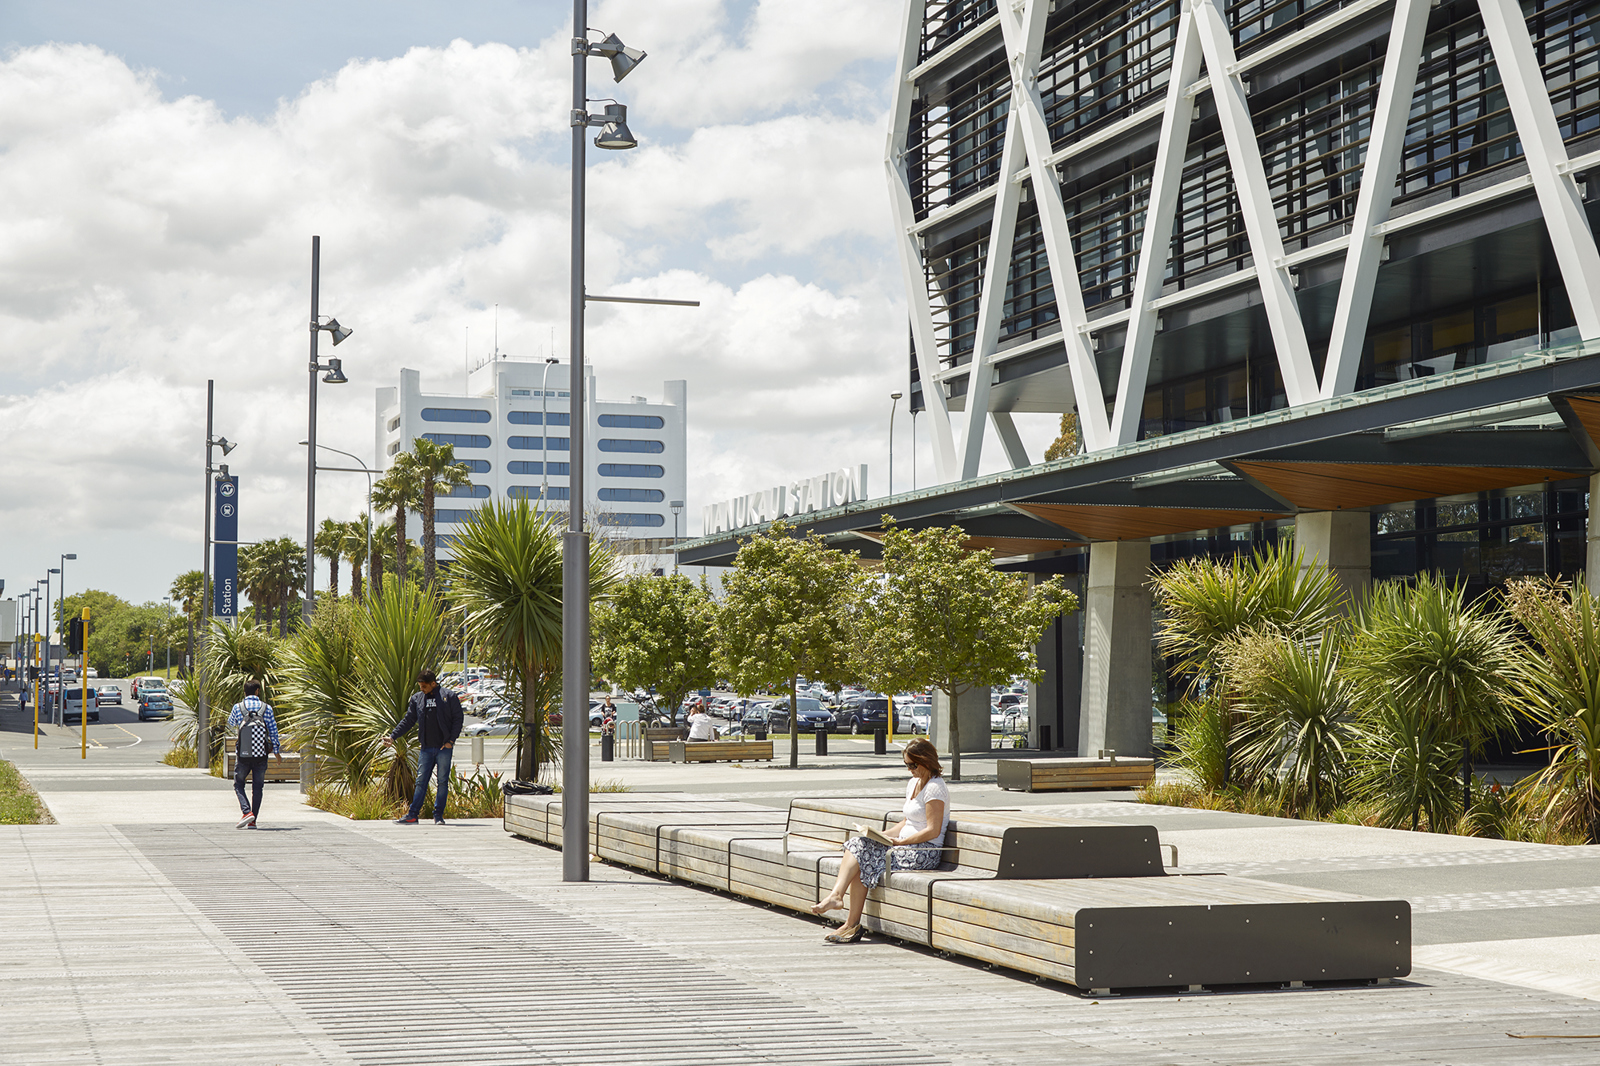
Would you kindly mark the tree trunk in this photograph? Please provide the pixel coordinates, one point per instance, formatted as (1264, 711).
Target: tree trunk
(333, 576)
(428, 550)
(375, 569)
(355, 580)
(794, 723)
(400, 545)
(955, 735)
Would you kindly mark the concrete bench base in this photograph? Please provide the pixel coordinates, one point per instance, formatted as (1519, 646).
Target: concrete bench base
(719, 750)
(1054, 775)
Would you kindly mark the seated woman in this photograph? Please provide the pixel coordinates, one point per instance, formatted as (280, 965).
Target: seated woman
(918, 836)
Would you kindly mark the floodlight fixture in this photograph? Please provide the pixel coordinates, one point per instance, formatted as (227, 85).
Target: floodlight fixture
(623, 59)
(339, 332)
(614, 133)
(225, 444)
(70, 555)
(334, 375)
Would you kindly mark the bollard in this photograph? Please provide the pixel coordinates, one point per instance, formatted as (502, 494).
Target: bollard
(761, 732)
(1044, 738)
(880, 741)
(822, 740)
(477, 751)
(608, 747)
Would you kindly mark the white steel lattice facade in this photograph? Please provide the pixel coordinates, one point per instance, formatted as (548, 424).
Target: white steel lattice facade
(1096, 201)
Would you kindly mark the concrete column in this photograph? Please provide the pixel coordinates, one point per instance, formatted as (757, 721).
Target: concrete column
(1342, 541)
(1053, 700)
(974, 707)
(1591, 558)
(1115, 709)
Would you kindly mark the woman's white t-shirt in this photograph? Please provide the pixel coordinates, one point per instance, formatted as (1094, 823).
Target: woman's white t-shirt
(916, 808)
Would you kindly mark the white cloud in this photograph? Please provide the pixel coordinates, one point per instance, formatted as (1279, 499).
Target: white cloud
(147, 244)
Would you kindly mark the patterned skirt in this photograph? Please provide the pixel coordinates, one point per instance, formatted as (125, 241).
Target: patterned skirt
(875, 858)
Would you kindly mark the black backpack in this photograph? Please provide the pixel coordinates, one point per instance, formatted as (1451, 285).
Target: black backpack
(253, 737)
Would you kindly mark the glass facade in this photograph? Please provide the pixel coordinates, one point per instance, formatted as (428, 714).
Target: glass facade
(517, 466)
(537, 418)
(633, 495)
(652, 447)
(531, 492)
(631, 421)
(536, 444)
(631, 470)
(475, 466)
(632, 520)
(453, 414)
(464, 492)
(460, 440)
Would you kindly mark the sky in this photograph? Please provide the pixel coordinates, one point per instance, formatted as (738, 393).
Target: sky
(163, 166)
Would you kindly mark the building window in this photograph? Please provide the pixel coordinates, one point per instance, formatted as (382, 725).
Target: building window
(654, 447)
(631, 470)
(394, 423)
(394, 449)
(460, 440)
(531, 492)
(633, 495)
(475, 466)
(464, 492)
(522, 392)
(632, 421)
(453, 414)
(517, 466)
(535, 444)
(536, 418)
(632, 520)
(451, 514)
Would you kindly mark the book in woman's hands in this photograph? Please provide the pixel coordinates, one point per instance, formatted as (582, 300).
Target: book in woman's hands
(875, 836)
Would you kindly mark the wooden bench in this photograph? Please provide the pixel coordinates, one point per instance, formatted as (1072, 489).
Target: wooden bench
(718, 750)
(1054, 775)
(285, 767)
(657, 737)
(1078, 901)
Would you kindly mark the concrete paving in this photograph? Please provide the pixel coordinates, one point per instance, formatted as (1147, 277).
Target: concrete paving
(141, 926)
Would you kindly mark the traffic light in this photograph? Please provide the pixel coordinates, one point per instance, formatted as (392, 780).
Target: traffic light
(75, 636)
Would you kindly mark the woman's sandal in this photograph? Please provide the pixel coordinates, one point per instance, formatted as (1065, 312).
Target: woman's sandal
(845, 936)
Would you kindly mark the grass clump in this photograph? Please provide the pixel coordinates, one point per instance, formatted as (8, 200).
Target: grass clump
(181, 756)
(19, 803)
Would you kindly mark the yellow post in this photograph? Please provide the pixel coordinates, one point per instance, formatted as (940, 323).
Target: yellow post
(891, 716)
(83, 673)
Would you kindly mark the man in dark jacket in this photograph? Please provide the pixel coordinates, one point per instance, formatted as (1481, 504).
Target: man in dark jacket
(436, 713)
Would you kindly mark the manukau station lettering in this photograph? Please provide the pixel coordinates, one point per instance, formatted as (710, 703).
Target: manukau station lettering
(799, 497)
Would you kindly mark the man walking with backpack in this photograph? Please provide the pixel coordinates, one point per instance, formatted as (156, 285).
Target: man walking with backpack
(258, 737)
(436, 713)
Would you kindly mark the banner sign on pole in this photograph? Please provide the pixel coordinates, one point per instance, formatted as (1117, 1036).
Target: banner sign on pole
(225, 551)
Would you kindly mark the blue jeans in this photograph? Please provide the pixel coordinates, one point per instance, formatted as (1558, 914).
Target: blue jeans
(428, 760)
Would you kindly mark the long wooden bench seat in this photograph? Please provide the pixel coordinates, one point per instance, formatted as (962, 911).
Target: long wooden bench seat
(657, 737)
(1054, 775)
(285, 767)
(1078, 901)
(719, 750)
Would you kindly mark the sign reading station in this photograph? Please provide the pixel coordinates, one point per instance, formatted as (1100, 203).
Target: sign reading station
(798, 497)
(225, 550)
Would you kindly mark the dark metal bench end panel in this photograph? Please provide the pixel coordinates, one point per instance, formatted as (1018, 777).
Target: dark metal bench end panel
(1029, 853)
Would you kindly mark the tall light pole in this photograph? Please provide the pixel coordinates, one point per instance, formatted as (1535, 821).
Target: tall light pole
(677, 509)
(614, 134)
(202, 742)
(544, 441)
(333, 374)
(894, 401)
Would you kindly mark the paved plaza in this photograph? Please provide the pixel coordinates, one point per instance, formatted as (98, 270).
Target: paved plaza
(144, 928)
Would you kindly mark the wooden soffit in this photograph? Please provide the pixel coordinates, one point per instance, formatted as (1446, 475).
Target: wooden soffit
(1003, 547)
(1587, 410)
(1334, 486)
(1122, 522)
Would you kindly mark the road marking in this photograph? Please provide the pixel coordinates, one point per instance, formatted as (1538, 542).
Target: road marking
(137, 739)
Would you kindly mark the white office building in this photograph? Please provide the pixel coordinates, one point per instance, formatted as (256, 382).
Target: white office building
(512, 430)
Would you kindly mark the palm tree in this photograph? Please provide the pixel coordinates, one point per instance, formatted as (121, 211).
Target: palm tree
(437, 473)
(382, 557)
(329, 544)
(273, 571)
(508, 590)
(353, 545)
(186, 590)
(256, 581)
(399, 490)
(398, 633)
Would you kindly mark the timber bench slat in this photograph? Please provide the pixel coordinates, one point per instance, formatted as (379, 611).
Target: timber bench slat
(1074, 900)
(719, 750)
(285, 767)
(1051, 775)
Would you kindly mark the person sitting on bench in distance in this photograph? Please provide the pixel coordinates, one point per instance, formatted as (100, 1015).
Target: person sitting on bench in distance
(701, 727)
(919, 836)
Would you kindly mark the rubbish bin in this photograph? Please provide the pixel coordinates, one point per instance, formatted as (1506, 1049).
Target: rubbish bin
(608, 748)
(880, 741)
(822, 740)
(761, 731)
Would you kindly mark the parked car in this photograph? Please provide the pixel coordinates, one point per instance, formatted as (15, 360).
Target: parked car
(497, 725)
(811, 714)
(108, 694)
(73, 706)
(1010, 720)
(155, 703)
(872, 712)
(921, 716)
(1011, 699)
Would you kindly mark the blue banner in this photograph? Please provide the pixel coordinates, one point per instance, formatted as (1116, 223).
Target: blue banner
(225, 550)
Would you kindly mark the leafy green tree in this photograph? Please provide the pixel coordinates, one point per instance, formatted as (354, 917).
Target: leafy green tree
(1065, 446)
(273, 573)
(506, 582)
(187, 592)
(437, 473)
(787, 614)
(353, 546)
(399, 490)
(1443, 664)
(329, 545)
(946, 619)
(1557, 685)
(657, 633)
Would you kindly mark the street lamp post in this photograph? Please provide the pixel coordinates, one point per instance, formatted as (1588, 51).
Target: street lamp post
(677, 509)
(894, 401)
(202, 741)
(333, 373)
(544, 441)
(361, 469)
